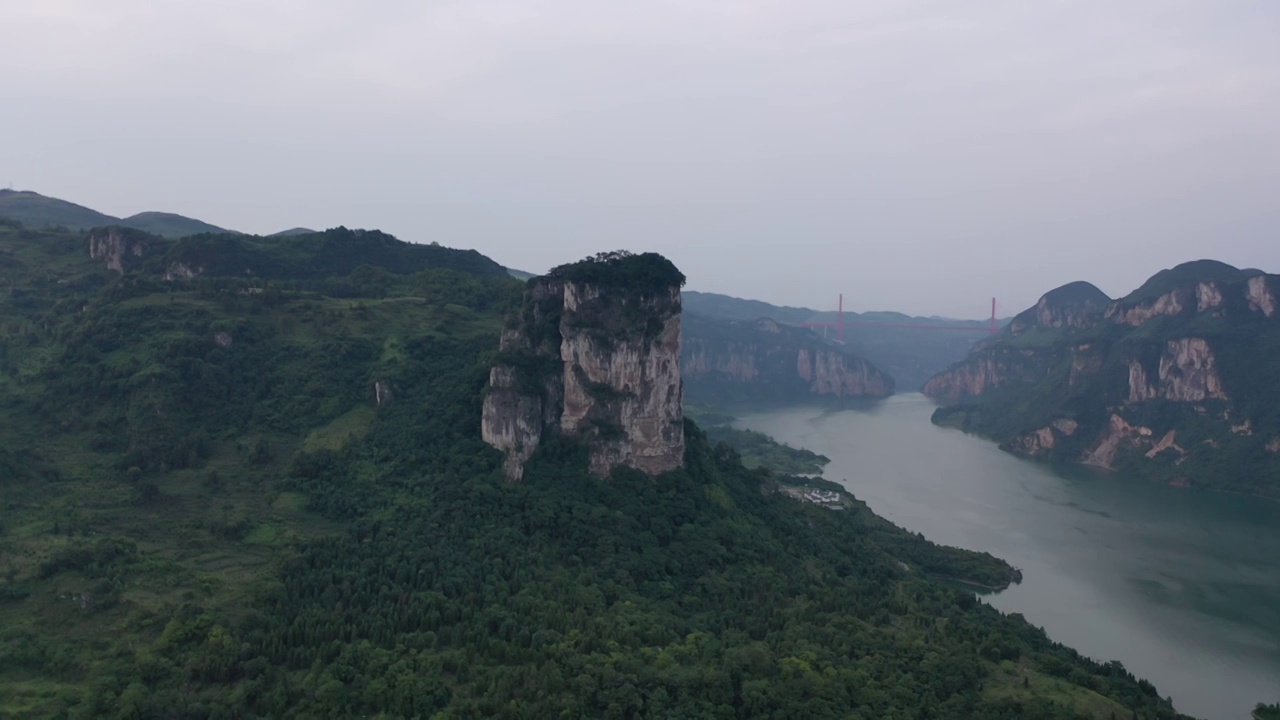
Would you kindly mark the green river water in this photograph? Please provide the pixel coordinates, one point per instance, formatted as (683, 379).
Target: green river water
(1181, 586)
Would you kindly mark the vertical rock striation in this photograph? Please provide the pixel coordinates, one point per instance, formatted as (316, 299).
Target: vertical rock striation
(593, 354)
(1173, 381)
(1001, 363)
(120, 249)
(765, 361)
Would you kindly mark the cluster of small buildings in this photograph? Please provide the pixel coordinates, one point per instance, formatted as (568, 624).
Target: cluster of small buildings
(826, 498)
(822, 497)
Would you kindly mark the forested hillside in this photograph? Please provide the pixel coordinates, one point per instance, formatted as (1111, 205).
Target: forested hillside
(266, 495)
(1174, 381)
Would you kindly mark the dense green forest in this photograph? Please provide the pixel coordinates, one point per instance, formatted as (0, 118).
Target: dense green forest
(253, 497)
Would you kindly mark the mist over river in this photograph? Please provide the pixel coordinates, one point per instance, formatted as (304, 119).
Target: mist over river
(1181, 586)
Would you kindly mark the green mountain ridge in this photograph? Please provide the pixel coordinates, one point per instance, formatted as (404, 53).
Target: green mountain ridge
(292, 231)
(1171, 382)
(169, 224)
(266, 495)
(38, 211)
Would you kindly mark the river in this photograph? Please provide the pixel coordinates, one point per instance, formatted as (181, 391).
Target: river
(1181, 586)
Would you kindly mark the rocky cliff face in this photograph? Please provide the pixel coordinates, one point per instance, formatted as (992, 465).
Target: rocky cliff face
(1074, 305)
(984, 371)
(1260, 293)
(831, 372)
(594, 354)
(120, 249)
(1173, 381)
(744, 361)
(1013, 359)
(1135, 314)
(1188, 372)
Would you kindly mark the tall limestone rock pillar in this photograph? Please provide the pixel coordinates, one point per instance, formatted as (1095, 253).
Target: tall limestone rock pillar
(593, 354)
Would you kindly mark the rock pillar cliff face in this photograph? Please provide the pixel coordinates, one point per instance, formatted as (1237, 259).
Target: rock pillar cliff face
(1260, 295)
(623, 388)
(594, 354)
(118, 248)
(1189, 372)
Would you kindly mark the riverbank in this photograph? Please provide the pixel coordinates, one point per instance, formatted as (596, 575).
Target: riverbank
(1182, 587)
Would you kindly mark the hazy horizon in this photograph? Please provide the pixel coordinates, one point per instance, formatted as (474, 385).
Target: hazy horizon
(917, 156)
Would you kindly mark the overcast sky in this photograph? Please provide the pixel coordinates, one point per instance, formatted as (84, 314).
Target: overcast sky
(920, 156)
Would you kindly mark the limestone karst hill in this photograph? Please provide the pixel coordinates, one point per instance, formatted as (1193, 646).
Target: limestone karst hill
(593, 354)
(1174, 381)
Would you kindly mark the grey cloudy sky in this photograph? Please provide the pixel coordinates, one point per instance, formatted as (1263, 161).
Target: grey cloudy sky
(915, 155)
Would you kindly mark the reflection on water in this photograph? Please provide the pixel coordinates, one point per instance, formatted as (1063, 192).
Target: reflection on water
(1181, 586)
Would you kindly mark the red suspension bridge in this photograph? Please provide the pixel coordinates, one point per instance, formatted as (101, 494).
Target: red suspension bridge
(840, 324)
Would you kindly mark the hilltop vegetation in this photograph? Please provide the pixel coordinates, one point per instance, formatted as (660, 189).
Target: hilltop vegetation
(622, 269)
(267, 496)
(329, 255)
(1267, 712)
(38, 211)
(168, 224)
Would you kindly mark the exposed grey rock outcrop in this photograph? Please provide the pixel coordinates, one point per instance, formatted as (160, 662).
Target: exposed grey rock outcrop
(987, 370)
(1189, 372)
(596, 359)
(118, 248)
(1261, 295)
(1170, 303)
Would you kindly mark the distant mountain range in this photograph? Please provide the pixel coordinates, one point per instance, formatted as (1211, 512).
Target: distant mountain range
(293, 231)
(732, 362)
(909, 348)
(1175, 381)
(38, 211)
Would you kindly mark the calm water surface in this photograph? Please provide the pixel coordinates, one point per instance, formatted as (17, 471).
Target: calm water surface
(1181, 586)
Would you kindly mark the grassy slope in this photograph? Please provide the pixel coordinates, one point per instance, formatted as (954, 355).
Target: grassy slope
(38, 211)
(760, 450)
(169, 224)
(35, 210)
